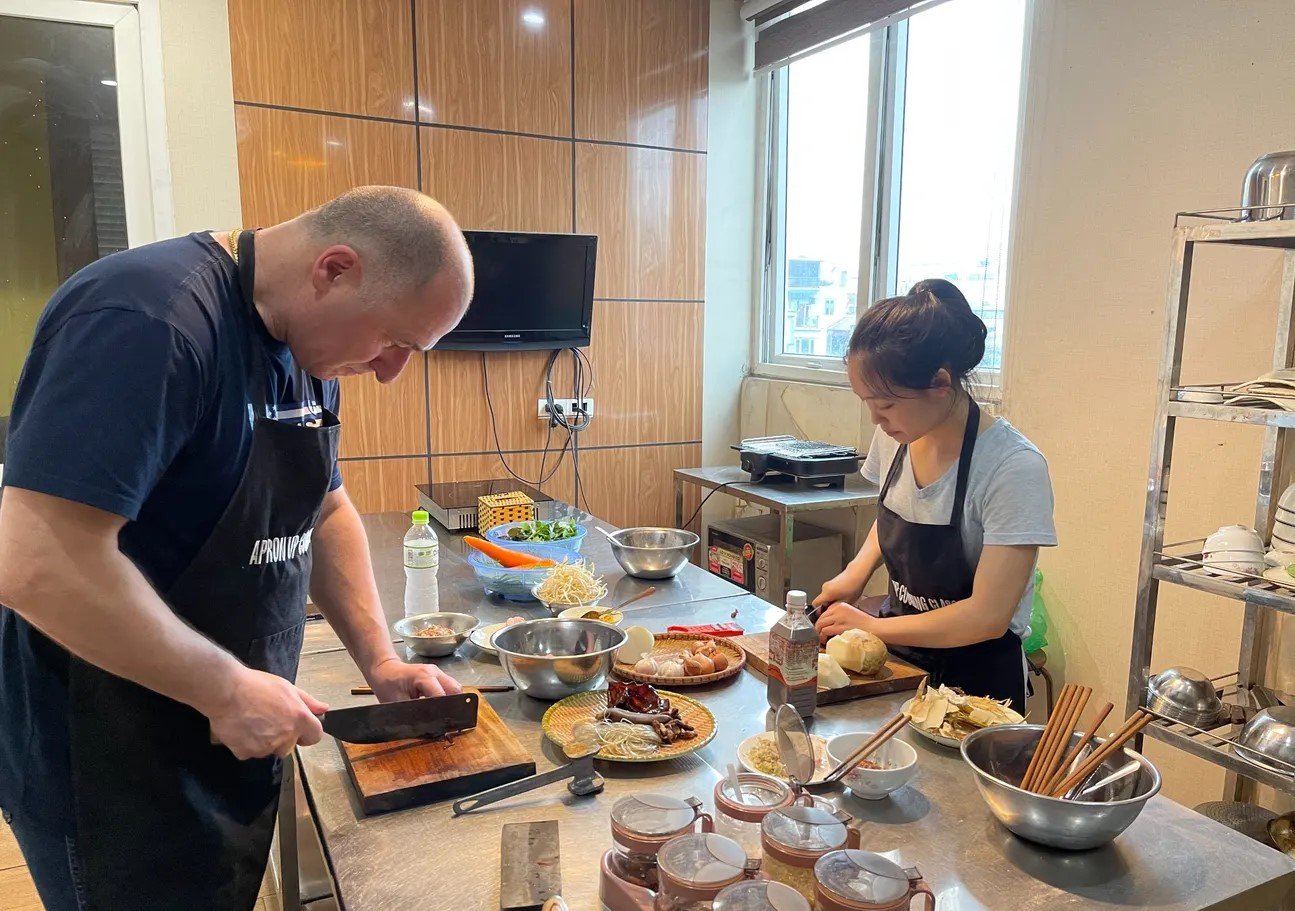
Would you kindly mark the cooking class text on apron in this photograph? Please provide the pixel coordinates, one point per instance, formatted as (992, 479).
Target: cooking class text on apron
(162, 812)
(929, 570)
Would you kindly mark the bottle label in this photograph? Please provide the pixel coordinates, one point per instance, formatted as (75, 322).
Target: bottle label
(422, 557)
(794, 663)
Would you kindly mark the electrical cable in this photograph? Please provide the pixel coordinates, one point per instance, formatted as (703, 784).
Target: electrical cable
(697, 511)
(499, 451)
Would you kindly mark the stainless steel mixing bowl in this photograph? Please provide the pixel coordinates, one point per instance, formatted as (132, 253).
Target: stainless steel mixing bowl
(435, 646)
(652, 553)
(1270, 735)
(1184, 694)
(551, 659)
(1000, 755)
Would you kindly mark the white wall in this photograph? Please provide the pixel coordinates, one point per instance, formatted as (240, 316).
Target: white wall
(200, 114)
(731, 227)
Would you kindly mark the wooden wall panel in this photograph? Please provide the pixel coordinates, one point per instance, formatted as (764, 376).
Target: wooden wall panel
(635, 485)
(527, 464)
(289, 162)
(349, 56)
(500, 64)
(388, 419)
(499, 183)
(384, 485)
(641, 71)
(648, 358)
(648, 209)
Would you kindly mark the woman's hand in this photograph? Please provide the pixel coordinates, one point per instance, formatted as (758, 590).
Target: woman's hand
(846, 586)
(840, 617)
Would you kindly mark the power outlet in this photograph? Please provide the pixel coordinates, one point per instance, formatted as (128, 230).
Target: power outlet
(567, 406)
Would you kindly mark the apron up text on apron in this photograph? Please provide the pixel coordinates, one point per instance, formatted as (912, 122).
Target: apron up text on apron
(929, 570)
(165, 818)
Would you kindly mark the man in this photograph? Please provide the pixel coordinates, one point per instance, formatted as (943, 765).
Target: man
(171, 479)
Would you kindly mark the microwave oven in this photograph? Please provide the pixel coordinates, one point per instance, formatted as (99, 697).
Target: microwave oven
(746, 552)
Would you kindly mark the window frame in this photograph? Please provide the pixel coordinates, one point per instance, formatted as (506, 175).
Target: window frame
(141, 114)
(879, 232)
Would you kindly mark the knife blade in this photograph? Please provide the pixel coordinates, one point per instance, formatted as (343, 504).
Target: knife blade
(432, 716)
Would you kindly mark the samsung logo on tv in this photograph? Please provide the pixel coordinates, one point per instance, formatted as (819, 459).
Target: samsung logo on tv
(512, 335)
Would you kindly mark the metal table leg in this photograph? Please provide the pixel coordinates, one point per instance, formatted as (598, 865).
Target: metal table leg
(787, 538)
(289, 863)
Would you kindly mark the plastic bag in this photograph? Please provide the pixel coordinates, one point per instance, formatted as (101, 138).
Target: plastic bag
(1038, 638)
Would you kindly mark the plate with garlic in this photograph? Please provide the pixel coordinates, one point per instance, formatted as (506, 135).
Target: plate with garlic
(680, 659)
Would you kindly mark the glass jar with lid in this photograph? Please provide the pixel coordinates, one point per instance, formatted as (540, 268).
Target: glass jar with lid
(853, 880)
(739, 817)
(795, 837)
(760, 895)
(695, 868)
(641, 824)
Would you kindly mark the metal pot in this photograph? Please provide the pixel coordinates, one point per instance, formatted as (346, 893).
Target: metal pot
(652, 553)
(1270, 182)
(552, 659)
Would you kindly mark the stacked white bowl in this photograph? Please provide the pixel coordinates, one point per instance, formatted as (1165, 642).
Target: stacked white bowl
(1284, 521)
(1233, 549)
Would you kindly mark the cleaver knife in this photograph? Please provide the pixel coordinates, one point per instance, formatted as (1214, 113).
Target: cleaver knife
(429, 717)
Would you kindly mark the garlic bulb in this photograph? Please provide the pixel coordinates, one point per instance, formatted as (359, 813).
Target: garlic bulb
(647, 666)
(670, 667)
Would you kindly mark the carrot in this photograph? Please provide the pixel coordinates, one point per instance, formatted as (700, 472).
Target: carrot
(512, 559)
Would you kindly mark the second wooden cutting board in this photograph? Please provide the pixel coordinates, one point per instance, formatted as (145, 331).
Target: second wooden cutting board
(407, 773)
(895, 677)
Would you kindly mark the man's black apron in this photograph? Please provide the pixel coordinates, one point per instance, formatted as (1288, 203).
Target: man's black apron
(165, 819)
(929, 570)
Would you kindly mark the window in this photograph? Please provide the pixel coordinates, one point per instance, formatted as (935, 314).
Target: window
(892, 158)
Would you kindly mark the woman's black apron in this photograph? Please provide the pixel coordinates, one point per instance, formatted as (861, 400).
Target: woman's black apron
(165, 819)
(929, 570)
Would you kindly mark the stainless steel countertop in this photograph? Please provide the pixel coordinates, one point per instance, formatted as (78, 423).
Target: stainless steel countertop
(1171, 858)
(782, 496)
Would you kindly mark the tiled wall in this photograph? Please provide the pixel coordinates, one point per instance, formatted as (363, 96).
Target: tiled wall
(530, 115)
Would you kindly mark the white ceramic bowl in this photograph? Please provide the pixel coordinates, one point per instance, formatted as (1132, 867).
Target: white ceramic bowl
(1283, 540)
(898, 758)
(1234, 537)
(1287, 499)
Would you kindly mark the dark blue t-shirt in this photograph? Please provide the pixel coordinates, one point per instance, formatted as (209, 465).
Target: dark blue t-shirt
(135, 399)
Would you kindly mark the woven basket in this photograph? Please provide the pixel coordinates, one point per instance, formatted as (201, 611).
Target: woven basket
(562, 716)
(668, 644)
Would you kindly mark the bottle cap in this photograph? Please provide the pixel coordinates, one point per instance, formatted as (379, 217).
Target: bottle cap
(420, 517)
(795, 598)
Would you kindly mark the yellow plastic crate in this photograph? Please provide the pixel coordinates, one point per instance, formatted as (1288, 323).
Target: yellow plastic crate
(499, 508)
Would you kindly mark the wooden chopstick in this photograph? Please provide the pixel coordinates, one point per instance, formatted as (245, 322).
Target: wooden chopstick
(1067, 765)
(1061, 742)
(1135, 723)
(500, 688)
(1068, 694)
(867, 748)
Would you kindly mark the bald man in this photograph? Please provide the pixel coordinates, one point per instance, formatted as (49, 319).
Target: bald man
(171, 495)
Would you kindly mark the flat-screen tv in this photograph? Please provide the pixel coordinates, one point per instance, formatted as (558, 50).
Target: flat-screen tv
(532, 291)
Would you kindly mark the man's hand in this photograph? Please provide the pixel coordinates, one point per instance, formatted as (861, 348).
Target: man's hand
(264, 715)
(395, 681)
(840, 617)
(844, 587)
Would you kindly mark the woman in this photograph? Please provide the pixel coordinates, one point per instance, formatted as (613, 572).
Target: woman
(965, 503)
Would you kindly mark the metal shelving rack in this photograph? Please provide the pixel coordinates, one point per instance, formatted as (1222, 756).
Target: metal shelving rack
(1179, 564)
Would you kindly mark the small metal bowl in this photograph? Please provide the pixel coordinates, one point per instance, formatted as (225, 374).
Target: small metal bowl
(435, 646)
(1000, 755)
(1184, 694)
(1268, 736)
(652, 553)
(552, 659)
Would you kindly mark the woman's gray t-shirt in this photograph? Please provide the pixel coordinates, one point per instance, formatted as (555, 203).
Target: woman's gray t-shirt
(1009, 497)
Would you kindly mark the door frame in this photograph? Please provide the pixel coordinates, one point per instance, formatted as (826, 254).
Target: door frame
(141, 111)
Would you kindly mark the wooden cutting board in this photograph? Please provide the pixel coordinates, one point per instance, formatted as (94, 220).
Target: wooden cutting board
(408, 773)
(896, 676)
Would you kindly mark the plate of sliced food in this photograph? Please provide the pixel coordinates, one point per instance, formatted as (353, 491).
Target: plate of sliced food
(483, 637)
(630, 722)
(677, 659)
(946, 714)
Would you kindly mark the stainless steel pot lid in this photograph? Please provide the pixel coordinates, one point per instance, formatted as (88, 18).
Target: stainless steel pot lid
(862, 876)
(795, 747)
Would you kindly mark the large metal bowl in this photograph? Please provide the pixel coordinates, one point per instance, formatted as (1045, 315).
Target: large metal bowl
(435, 646)
(1184, 694)
(1270, 735)
(551, 659)
(1000, 755)
(652, 553)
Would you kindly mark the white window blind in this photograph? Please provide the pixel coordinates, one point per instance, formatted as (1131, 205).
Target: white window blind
(790, 29)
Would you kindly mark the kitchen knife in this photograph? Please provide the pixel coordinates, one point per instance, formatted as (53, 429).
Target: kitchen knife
(433, 716)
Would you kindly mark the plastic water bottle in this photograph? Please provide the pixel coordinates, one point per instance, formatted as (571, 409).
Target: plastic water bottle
(793, 659)
(422, 559)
